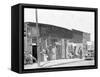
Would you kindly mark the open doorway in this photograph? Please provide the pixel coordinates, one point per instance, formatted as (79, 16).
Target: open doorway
(34, 49)
(34, 52)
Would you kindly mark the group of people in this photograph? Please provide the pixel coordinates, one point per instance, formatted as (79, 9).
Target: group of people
(49, 53)
(75, 51)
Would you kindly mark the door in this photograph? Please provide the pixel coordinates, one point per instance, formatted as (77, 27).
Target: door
(34, 52)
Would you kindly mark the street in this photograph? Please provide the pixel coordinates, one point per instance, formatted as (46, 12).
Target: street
(77, 63)
(60, 63)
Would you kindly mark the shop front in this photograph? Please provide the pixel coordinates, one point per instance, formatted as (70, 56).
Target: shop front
(53, 43)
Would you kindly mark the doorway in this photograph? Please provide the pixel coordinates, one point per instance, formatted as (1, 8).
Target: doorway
(34, 52)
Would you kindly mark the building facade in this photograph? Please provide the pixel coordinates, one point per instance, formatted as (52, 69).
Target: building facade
(54, 43)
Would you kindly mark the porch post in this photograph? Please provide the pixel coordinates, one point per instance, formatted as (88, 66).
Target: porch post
(37, 28)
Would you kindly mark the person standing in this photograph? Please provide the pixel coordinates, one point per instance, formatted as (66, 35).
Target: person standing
(54, 53)
(45, 56)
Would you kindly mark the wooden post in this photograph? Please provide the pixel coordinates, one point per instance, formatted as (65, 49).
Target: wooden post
(38, 50)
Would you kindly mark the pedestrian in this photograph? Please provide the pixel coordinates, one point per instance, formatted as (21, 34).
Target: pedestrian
(45, 56)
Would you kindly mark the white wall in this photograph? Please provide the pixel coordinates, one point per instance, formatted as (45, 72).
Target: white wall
(5, 40)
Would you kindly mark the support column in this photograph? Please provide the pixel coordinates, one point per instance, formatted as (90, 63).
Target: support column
(38, 48)
(63, 48)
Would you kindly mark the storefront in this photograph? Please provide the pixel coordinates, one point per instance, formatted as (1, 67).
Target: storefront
(53, 43)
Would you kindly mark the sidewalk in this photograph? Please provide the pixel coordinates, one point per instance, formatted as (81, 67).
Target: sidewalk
(59, 62)
(53, 63)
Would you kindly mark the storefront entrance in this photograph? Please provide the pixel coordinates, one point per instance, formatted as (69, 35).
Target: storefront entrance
(34, 52)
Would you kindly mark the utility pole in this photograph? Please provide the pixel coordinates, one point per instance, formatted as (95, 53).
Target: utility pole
(38, 48)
